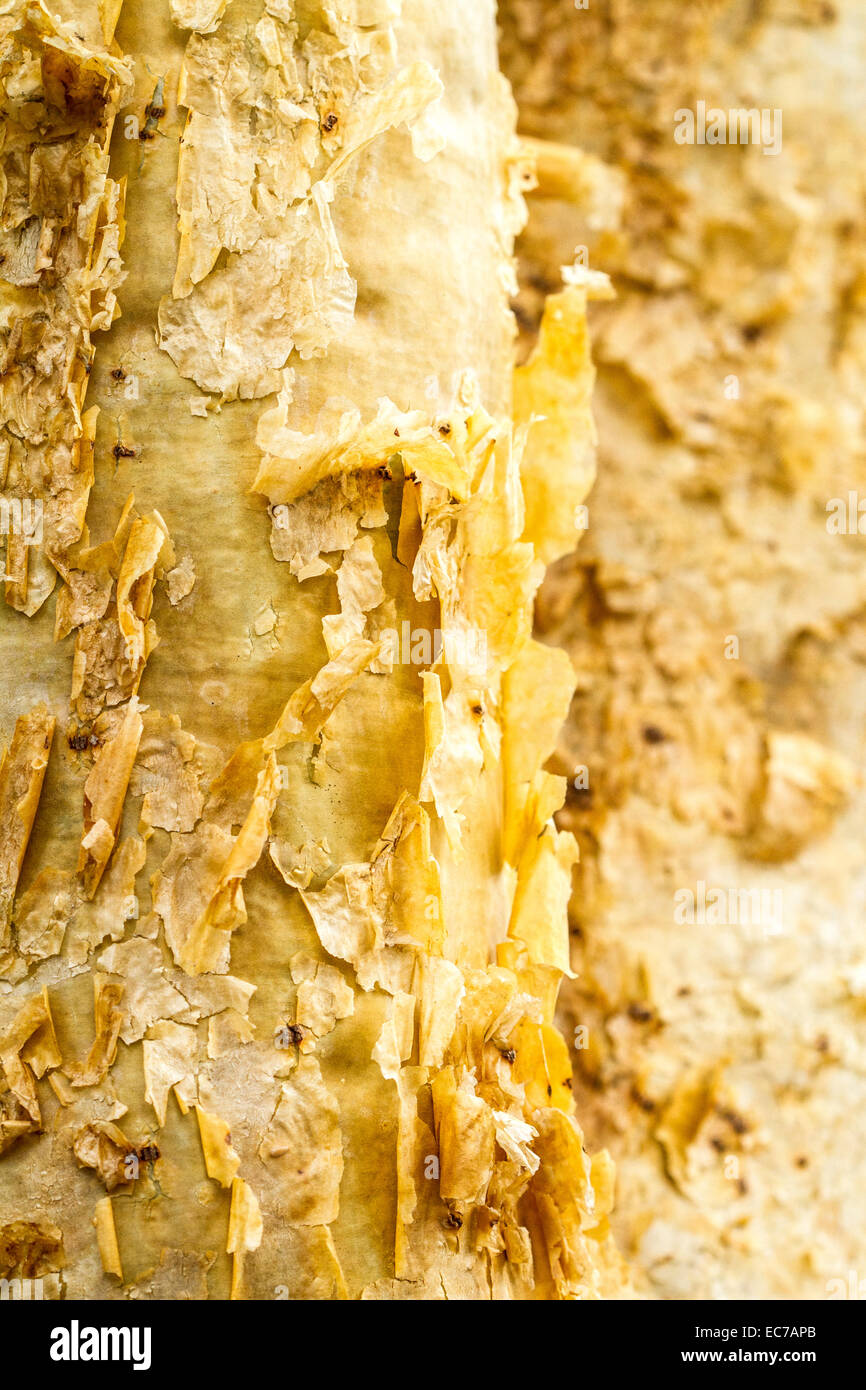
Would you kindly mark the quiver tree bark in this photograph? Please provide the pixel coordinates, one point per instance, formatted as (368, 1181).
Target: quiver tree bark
(283, 908)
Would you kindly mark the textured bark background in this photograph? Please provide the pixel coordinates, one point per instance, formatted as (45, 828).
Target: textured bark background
(729, 406)
(248, 1045)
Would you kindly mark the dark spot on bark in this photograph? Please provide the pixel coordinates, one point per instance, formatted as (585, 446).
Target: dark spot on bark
(121, 451)
(737, 1123)
(330, 121)
(640, 1013)
(545, 283)
(653, 734)
(118, 374)
(454, 1220)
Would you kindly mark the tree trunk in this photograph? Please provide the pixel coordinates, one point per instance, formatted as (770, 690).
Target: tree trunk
(283, 907)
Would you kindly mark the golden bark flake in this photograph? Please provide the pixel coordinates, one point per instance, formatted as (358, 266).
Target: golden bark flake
(22, 773)
(295, 462)
(148, 542)
(318, 1269)
(552, 396)
(201, 15)
(220, 1159)
(171, 773)
(106, 1237)
(300, 866)
(441, 991)
(537, 691)
(111, 649)
(466, 1129)
(102, 1146)
(180, 581)
(324, 997)
(453, 756)
(326, 520)
(226, 907)
(307, 711)
(303, 1143)
(43, 913)
(565, 1202)
(28, 1049)
(360, 589)
(115, 902)
(396, 1040)
(89, 578)
(169, 1062)
(198, 891)
(149, 997)
(542, 1064)
(539, 916)
(108, 1019)
(406, 869)
(379, 916)
(245, 1230)
(104, 795)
